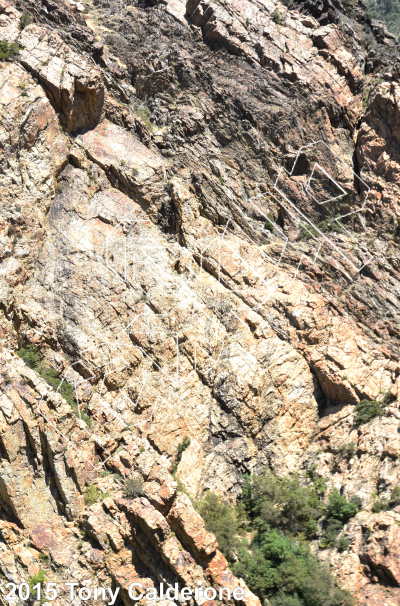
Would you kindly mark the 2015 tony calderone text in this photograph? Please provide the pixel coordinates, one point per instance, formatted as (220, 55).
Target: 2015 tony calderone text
(137, 591)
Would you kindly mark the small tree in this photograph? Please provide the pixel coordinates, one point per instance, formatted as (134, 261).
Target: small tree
(366, 410)
(276, 17)
(25, 20)
(134, 486)
(92, 494)
(8, 50)
(342, 544)
(347, 450)
(181, 449)
(395, 496)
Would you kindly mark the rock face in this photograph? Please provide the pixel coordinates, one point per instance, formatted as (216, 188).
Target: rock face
(200, 235)
(73, 84)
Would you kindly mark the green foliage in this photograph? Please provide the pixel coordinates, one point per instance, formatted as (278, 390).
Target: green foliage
(395, 496)
(181, 486)
(318, 481)
(385, 504)
(342, 544)
(380, 505)
(141, 298)
(143, 112)
(366, 410)
(365, 94)
(285, 504)
(247, 494)
(347, 450)
(36, 578)
(339, 511)
(387, 11)
(219, 519)
(309, 231)
(349, 7)
(276, 17)
(43, 556)
(286, 573)
(8, 50)
(92, 494)
(339, 508)
(134, 486)
(25, 20)
(31, 356)
(181, 449)
(282, 514)
(269, 224)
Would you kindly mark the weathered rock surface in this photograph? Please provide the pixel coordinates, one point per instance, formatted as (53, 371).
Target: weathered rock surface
(72, 83)
(137, 177)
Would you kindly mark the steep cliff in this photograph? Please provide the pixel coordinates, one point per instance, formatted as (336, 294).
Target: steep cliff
(199, 239)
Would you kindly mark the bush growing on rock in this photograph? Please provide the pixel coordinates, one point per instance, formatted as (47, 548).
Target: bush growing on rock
(219, 519)
(347, 450)
(366, 410)
(35, 579)
(25, 20)
(8, 50)
(386, 504)
(92, 494)
(285, 504)
(31, 356)
(395, 496)
(134, 486)
(181, 449)
(339, 511)
(276, 17)
(380, 505)
(342, 544)
(278, 564)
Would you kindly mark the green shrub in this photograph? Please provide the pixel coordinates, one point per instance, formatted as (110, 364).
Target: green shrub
(280, 513)
(342, 544)
(339, 511)
(395, 496)
(219, 519)
(285, 504)
(347, 450)
(36, 578)
(134, 486)
(31, 356)
(340, 508)
(25, 20)
(8, 50)
(287, 574)
(349, 7)
(276, 17)
(92, 494)
(386, 504)
(366, 410)
(144, 113)
(181, 449)
(269, 224)
(309, 231)
(380, 505)
(318, 481)
(84, 417)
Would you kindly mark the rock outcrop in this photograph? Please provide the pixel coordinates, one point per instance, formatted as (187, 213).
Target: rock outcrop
(187, 271)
